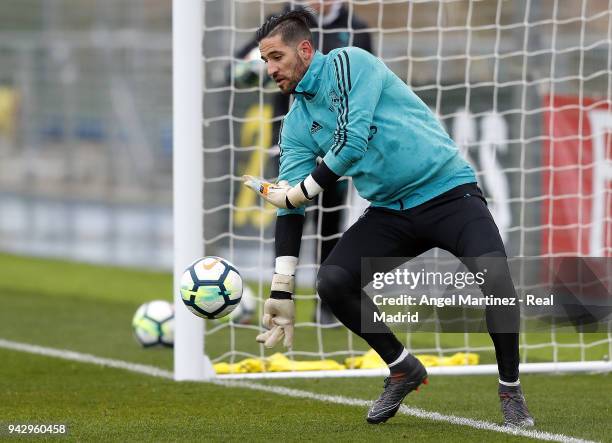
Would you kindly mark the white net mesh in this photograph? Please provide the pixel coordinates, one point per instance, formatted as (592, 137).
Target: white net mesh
(523, 87)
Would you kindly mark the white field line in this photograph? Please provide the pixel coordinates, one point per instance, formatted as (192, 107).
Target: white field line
(287, 392)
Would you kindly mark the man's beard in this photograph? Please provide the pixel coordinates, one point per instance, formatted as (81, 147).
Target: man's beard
(289, 90)
(299, 71)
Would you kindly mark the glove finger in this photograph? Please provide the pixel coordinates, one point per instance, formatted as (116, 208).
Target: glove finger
(276, 335)
(267, 321)
(288, 336)
(282, 321)
(261, 338)
(252, 182)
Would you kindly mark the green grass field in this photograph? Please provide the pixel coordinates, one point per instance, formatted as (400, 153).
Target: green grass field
(88, 309)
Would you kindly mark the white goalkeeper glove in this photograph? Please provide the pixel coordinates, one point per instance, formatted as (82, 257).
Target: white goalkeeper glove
(281, 194)
(279, 313)
(279, 318)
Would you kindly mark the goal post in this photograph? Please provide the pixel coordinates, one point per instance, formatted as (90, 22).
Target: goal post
(523, 88)
(187, 31)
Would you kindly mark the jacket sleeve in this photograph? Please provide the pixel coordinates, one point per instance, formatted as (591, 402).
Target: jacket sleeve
(296, 162)
(359, 79)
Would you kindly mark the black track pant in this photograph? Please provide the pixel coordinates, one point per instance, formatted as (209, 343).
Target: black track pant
(457, 221)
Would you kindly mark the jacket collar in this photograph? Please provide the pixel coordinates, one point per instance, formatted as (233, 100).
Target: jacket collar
(309, 85)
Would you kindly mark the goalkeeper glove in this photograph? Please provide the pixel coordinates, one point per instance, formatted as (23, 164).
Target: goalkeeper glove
(279, 313)
(281, 194)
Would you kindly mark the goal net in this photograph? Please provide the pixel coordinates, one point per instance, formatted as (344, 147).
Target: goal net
(523, 87)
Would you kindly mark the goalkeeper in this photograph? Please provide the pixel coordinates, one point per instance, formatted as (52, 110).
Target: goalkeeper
(352, 111)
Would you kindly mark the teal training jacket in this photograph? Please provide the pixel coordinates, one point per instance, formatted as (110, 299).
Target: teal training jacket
(355, 113)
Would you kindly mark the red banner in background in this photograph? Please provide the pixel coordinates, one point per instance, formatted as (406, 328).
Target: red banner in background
(577, 178)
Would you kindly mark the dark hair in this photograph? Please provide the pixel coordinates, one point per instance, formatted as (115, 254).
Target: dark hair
(292, 26)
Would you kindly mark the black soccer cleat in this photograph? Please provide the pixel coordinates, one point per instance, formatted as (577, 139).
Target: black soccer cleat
(396, 388)
(514, 408)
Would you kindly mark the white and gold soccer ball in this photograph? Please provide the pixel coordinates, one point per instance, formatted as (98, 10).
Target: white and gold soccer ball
(211, 287)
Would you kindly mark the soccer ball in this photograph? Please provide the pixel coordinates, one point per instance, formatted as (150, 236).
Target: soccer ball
(246, 310)
(211, 287)
(153, 324)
